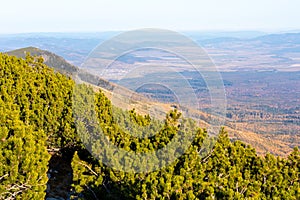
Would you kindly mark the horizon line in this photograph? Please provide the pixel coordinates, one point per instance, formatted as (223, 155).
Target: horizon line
(267, 31)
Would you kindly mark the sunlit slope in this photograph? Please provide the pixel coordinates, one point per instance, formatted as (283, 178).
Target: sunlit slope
(127, 99)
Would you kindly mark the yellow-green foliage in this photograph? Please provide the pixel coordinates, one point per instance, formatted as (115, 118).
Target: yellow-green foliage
(232, 170)
(36, 114)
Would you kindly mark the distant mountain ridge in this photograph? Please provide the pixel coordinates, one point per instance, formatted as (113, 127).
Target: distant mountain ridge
(284, 38)
(74, 47)
(279, 38)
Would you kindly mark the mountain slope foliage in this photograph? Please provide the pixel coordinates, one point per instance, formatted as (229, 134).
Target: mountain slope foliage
(37, 119)
(35, 116)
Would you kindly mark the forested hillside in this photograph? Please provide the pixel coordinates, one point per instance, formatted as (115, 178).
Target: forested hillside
(36, 124)
(59, 64)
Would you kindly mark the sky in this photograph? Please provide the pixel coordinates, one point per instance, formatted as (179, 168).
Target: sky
(19, 16)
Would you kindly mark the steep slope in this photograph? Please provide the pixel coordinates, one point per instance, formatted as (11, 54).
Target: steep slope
(60, 64)
(37, 113)
(127, 99)
(123, 97)
(50, 59)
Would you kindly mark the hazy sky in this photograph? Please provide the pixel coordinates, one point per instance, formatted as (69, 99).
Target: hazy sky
(99, 15)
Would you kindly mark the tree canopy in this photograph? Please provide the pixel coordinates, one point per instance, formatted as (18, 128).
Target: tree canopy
(37, 117)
